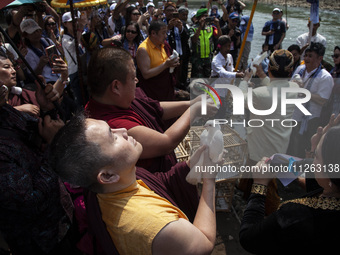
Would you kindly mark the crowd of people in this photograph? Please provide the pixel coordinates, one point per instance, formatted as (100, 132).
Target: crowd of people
(90, 119)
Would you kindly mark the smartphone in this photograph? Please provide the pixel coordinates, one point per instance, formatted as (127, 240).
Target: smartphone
(175, 15)
(52, 54)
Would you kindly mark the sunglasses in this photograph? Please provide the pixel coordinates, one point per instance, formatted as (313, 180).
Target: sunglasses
(131, 31)
(136, 13)
(51, 24)
(335, 55)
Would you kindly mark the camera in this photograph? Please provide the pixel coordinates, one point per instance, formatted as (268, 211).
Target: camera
(175, 15)
(209, 19)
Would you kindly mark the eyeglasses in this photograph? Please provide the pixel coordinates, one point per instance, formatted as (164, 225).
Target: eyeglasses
(51, 24)
(136, 13)
(335, 55)
(131, 31)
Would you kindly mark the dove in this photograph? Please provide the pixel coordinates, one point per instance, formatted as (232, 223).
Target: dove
(257, 61)
(212, 137)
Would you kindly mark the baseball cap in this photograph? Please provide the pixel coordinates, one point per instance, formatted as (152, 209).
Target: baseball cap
(113, 6)
(193, 14)
(234, 15)
(29, 26)
(183, 9)
(281, 60)
(150, 4)
(67, 16)
(276, 10)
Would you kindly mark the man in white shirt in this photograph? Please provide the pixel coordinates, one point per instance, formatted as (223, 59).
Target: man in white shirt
(320, 84)
(302, 40)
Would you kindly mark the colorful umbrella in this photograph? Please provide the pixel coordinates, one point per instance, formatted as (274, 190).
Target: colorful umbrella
(77, 3)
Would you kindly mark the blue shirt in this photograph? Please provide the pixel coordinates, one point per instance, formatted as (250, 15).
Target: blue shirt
(243, 28)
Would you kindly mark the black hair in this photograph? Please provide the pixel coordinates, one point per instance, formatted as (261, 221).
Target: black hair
(76, 160)
(336, 48)
(318, 48)
(330, 151)
(222, 40)
(138, 37)
(156, 25)
(128, 13)
(106, 65)
(294, 47)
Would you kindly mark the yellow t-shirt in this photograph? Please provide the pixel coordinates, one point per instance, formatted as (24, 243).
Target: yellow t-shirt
(134, 216)
(157, 56)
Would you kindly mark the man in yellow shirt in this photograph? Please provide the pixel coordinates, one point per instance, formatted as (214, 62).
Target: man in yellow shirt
(88, 153)
(154, 64)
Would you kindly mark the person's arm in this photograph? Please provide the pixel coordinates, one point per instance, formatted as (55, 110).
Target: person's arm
(324, 92)
(157, 144)
(219, 31)
(143, 63)
(51, 11)
(119, 8)
(173, 109)
(316, 98)
(266, 29)
(60, 67)
(242, 5)
(224, 10)
(265, 80)
(256, 233)
(182, 237)
(21, 13)
(281, 40)
(195, 37)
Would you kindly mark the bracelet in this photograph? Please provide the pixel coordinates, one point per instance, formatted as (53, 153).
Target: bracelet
(259, 189)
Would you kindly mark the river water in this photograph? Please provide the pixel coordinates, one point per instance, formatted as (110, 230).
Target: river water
(297, 19)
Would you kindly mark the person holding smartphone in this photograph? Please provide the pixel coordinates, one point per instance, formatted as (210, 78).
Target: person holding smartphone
(36, 55)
